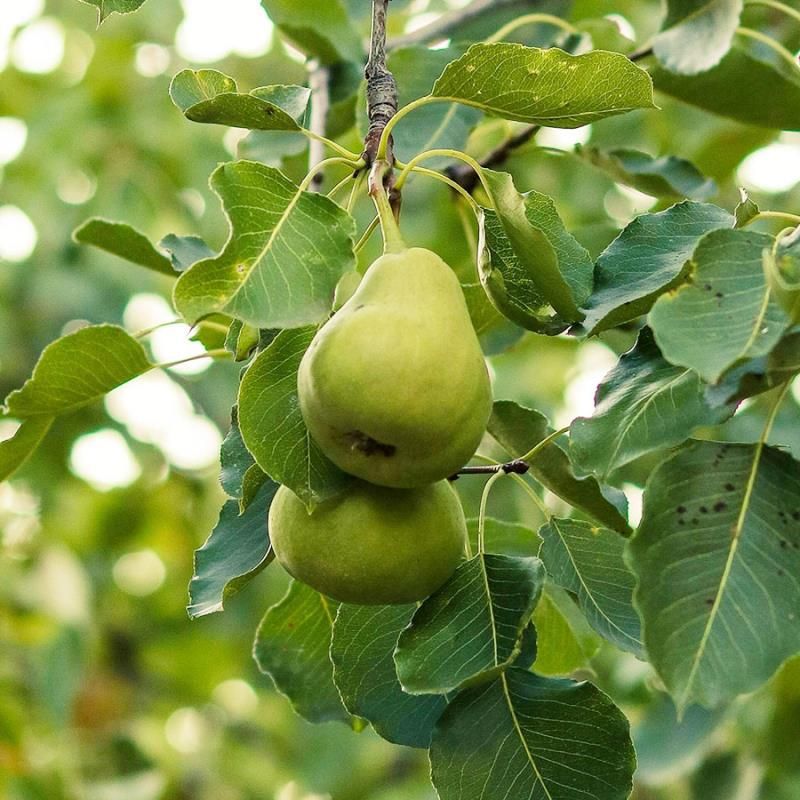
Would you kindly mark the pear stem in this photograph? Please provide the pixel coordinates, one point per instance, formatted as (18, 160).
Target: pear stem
(392, 238)
(516, 467)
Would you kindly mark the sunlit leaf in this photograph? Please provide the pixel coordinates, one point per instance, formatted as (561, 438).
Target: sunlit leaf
(545, 87)
(16, 450)
(523, 736)
(106, 7)
(717, 560)
(286, 252)
(471, 629)
(78, 369)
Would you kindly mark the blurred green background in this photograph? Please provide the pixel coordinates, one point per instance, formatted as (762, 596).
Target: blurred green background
(107, 691)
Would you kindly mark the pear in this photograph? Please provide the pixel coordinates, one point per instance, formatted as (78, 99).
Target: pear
(372, 545)
(394, 388)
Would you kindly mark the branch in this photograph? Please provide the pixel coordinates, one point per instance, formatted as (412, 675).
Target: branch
(466, 177)
(318, 79)
(516, 467)
(381, 86)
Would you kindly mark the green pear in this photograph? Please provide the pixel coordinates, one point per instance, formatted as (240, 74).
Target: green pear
(394, 389)
(371, 545)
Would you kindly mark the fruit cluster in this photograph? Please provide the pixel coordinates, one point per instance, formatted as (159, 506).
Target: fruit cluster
(394, 390)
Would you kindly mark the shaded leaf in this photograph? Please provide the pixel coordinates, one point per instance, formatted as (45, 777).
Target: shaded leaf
(727, 306)
(291, 646)
(185, 250)
(717, 560)
(286, 252)
(545, 87)
(364, 638)
(782, 267)
(696, 34)
(743, 86)
(667, 176)
(235, 552)
(122, 240)
(565, 640)
(644, 404)
(17, 449)
(518, 430)
(234, 458)
(523, 736)
(746, 209)
(588, 562)
(505, 538)
(647, 258)
(529, 264)
(78, 369)
(471, 629)
(273, 428)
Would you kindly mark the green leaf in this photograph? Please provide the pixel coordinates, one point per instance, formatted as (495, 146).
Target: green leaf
(78, 369)
(644, 404)
(323, 30)
(528, 261)
(524, 737)
(518, 430)
(234, 458)
(106, 7)
(565, 640)
(291, 646)
(727, 306)
(235, 552)
(588, 562)
(286, 252)
(16, 450)
(696, 34)
(646, 259)
(743, 86)
(782, 267)
(273, 428)
(122, 240)
(545, 87)
(505, 538)
(717, 560)
(667, 176)
(209, 96)
(364, 638)
(746, 209)
(185, 250)
(471, 629)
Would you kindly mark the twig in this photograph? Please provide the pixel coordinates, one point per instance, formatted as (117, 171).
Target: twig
(318, 79)
(645, 52)
(466, 177)
(516, 467)
(381, 86)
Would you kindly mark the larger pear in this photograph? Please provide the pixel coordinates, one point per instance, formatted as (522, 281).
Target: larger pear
(394, 389)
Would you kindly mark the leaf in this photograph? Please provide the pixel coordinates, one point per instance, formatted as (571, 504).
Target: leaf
(124, 241)
(518, 430)
(644, 404)
(209, 96)
(727, 306)
(185, 250)
(471, 629)
(696, 34)
(16, 450)
(107, 7)
(647, 258)
(291, 646)
(528, 261)
(743, 86)
(234, 458)
(273, 428)
(781, 264)
(717, 560)
(320, 29)
(524, 736)
(565, 640)
(78, 369)
(667, 176)
(286, 252)
(545, 87)
(505, 538)
(588, 562)
(746, 210)
(364, 638)
(235, 552)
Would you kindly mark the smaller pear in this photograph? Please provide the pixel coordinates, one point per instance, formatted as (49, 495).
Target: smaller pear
(394, 389)
(371, 545)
